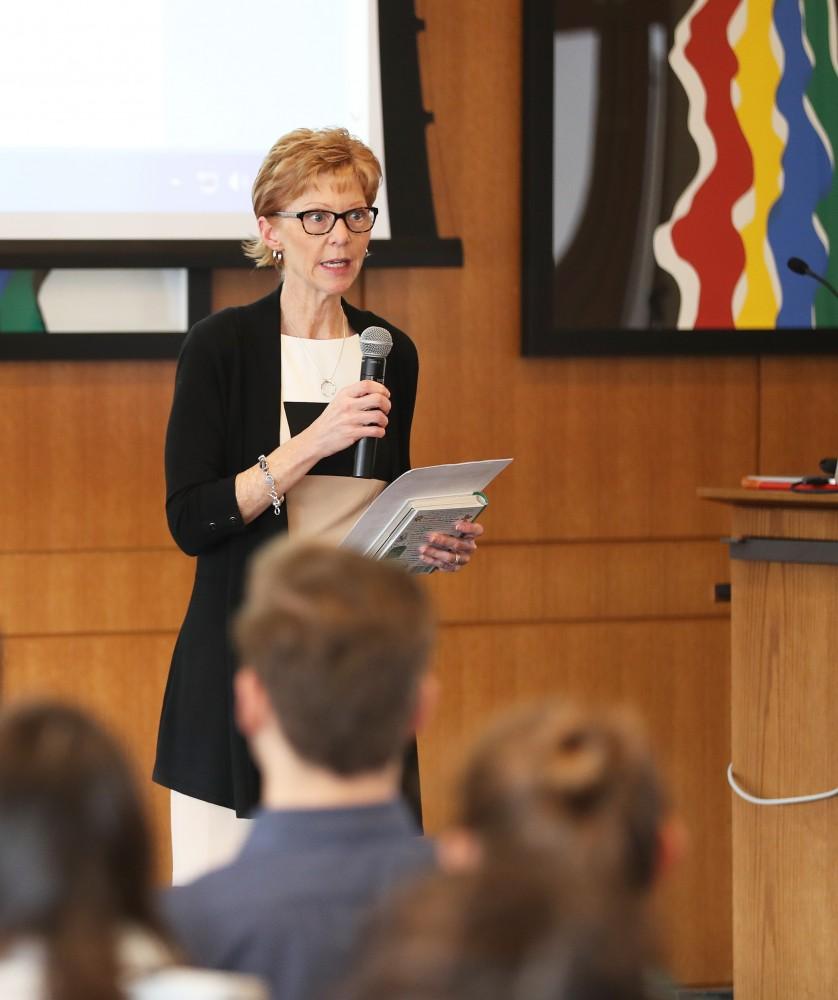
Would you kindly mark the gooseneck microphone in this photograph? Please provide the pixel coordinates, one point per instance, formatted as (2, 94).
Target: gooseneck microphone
(376, 344)
(801, 267)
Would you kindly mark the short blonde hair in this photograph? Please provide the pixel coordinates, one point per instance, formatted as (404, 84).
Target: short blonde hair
(295, 161)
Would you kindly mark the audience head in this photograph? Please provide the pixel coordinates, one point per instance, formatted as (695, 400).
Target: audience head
(579, 786)
(339, 644)
(75, 858)
(296, 161)
(501, 933)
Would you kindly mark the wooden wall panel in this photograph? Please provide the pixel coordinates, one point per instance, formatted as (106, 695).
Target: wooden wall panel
(798, 415)
(676, 675)
(81, 451)
(49, 593)
(234, 287)
(535, 581)
(120, 680)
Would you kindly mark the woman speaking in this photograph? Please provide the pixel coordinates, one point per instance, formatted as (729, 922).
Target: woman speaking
(266, 412)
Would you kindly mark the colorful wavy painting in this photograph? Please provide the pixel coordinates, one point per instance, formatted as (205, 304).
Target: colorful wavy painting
(761, 79)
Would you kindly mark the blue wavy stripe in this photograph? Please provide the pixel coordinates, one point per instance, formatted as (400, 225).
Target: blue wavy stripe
(5, 276)
(807, 176)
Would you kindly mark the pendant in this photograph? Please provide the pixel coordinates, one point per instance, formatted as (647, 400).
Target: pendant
(328, 388)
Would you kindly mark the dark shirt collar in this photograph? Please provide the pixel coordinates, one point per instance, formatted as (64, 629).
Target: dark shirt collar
(286, 829)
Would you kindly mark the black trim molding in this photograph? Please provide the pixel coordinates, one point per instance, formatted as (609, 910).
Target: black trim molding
(819, 552)
(89, 346)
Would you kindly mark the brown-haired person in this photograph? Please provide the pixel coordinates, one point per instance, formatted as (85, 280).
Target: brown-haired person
(77, 920)
(575, 794)
(576, 786)
(266, 414)
(499, 932)
(333, 681)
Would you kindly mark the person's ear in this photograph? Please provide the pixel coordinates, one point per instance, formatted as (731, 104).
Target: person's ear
(458, 850)
(269, 234)
(672, 846)
(427, 697)
(252, 705)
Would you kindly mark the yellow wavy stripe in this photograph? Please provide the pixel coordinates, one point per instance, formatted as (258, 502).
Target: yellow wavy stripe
(757, 79)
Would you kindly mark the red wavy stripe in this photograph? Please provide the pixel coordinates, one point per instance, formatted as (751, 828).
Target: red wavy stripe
(706, 236)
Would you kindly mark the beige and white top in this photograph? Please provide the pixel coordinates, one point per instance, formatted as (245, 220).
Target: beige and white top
(325, 503)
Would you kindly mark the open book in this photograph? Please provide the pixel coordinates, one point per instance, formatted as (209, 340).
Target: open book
(434, 498)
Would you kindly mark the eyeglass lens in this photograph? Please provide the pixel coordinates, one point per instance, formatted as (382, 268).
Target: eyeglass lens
(358, 220)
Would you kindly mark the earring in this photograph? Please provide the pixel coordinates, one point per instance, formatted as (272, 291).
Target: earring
(277, 256)
(367, 253)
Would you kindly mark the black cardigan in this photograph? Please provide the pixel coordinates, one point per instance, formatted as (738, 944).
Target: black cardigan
(225, 413)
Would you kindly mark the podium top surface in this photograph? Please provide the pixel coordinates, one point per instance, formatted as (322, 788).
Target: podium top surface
(742, 497)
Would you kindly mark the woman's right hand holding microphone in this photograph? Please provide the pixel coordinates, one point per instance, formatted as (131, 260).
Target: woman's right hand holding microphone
(358, 411)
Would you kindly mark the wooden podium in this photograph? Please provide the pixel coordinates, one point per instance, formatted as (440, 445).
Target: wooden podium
(784, 739)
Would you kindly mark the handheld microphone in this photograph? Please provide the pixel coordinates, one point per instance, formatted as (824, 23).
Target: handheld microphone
(801, 267)
(376, 344)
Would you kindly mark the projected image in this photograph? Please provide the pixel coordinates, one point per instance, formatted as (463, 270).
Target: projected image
(135, 144)
(149, 120)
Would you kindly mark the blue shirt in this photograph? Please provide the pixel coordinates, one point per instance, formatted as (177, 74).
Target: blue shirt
(290, 907)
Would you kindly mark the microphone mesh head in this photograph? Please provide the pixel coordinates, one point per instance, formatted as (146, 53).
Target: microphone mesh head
(376, 342)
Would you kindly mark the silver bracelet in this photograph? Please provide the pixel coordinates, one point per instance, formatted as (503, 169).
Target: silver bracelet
(269, 482)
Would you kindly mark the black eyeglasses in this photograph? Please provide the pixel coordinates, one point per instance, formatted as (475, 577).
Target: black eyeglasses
(318, 222)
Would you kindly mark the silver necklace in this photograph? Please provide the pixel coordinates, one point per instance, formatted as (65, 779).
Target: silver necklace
(328, 388)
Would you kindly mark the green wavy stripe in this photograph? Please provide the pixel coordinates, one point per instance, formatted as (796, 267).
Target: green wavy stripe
(19, 312)
(822, 92)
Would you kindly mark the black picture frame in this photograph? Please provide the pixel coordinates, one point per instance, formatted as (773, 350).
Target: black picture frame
(540, 337)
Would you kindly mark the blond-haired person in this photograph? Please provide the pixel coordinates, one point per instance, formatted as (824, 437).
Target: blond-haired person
(267, 410)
